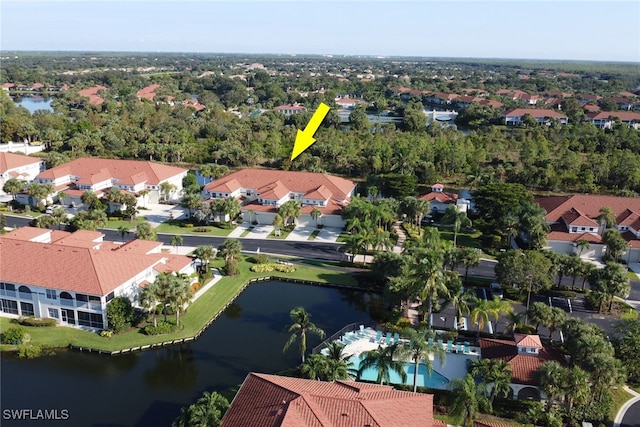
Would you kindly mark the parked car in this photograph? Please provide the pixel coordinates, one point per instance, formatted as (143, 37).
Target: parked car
(496, 290)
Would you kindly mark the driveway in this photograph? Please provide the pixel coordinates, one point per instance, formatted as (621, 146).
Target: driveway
(260, 232)
(157, 213)
(301, 233)
(328, 234)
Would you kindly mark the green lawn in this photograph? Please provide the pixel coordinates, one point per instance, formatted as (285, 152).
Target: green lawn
(343, 237)
(247, 231)
(30, 214)
(117, 223)
(314, 235)
(197, 315)
(471, 240)
(283, 234)
(176, 227)
(620, 396)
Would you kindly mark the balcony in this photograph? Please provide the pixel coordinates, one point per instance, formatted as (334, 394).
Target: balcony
(67, 302)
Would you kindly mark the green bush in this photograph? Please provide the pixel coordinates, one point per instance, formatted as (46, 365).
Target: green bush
(201, 230)
(284, 268)
(162, 328)
(262, 268)
(187, 225)
(32, 321)
(120, 314)
(629, 314)
(29, 351)
(261, 258)
(14, 335)
(106, 334)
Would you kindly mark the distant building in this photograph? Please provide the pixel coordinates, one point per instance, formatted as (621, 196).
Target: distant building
(290, 109)
(607, 119)
(439, 200)
(17, 166)
(542, 116)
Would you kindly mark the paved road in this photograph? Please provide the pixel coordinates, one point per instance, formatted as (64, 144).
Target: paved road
(632, 416)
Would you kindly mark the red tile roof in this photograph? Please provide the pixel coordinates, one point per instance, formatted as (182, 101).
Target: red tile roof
(273, 401)
(148, 92)
(587, 205)
(523, 366)
(126, 170)
(534, 112)
(76, 268)
(625, 116)
(92, 94)
(440, 196)
(9, 161)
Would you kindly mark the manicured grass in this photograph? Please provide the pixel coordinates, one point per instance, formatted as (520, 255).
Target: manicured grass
(620, 396)
(176, 227)
(30, 214)
(314, 235)
(631, 275)
(117, 223)
(197, 315)
(283, 234)
(247, 231)
(471, 240)
(342, 237)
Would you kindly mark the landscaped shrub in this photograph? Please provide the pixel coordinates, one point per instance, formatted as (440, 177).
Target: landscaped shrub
(120, 314)
(32, 321)
(187, 225)
(106, 333)
(201, 230)
(261, 258)
(29, 351)
(14, 335)
(262, 268)
(231, 267)
(195, 286)
(284, 268)
(162, 328)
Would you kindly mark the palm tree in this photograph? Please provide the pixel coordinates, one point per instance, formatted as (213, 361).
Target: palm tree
(149, 299)
(13, 186)
(315, 367)
(494, 372)
(457, 218)
(315, 215)
(61, 196)
(123, 230)
(582, 244)
(382, 359)
(338, 362)
(166, 188)
(470, 257)
(206, 412)
(181, 294)
(301, 325)
(176, 241)
(145, 232)
(467, 399)
(232, 208)
(514, 322)
(420, 348)
(556, 319)
(290, 211)
(551, 378)
(607, 218)
(205, 254)
(230, 249)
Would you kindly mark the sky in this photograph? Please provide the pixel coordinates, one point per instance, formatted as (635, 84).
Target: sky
(597, 30)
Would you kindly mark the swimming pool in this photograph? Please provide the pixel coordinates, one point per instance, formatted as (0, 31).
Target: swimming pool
(433, 380)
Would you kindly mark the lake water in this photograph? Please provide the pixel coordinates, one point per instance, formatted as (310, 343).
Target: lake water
(149, 388)
(33, 103)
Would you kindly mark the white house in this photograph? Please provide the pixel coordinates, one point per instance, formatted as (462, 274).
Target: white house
(439, 200)
(607, 119)
(25, 168)
(542, 116)
(263, 191)
(290, 109)
(98, 175)
(78, 274)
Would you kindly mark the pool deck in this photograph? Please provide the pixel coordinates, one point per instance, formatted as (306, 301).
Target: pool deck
(455, 366)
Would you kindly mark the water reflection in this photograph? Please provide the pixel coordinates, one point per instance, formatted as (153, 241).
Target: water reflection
(174, 368)
(234, 311)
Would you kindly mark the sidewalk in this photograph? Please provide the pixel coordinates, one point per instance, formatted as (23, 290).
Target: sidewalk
(402, 237)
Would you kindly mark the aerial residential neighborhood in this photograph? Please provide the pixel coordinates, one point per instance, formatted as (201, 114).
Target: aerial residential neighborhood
(458, 244)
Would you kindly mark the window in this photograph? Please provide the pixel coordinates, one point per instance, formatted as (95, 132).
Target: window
(9, 306)
(91, 320)
(51, 294)
(25, 293)
(574, 229)
(82, 297)
(7, 289)
(110, 296)
(68, 316)
(54, 313)
(26, 308)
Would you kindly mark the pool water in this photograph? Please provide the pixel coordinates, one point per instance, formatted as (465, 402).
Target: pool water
(433, 380)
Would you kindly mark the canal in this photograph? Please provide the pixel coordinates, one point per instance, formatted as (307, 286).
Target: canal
(149, 388)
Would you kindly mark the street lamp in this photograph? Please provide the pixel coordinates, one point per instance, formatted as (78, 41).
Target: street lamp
(526, 314)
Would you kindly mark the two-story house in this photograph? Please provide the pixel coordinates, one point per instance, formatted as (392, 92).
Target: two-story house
(78, 274)
(263, 191)
(542, 116)
(24, 168)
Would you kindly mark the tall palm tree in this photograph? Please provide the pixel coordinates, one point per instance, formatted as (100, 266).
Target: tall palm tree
(206, 412)
(458, 219)
(470, 257)
(205, 254)
(13, 186)
(176, 241)
(551, 378)
(315, 215)
(300, 326)
(150, 298)
(420, 348)
(578, 388)
(339, 364)
(582, 244)
(467, 399)
(230, 249)
(123, 230)
(383, 359)
(181, 294)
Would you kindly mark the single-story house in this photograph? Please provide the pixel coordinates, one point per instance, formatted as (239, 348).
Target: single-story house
(271, 400)
(439, 200)
(290, 109)
(263, 191)
(143, 179)
(78, 274)
(574, 218)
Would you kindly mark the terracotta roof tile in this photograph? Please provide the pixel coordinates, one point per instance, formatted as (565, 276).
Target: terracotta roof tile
(9, 161)
(270, 401)
(519, 112)
(588, 205)
(625, 116)
(118, 169)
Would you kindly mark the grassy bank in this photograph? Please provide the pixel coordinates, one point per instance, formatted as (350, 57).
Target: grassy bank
(197, 315)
